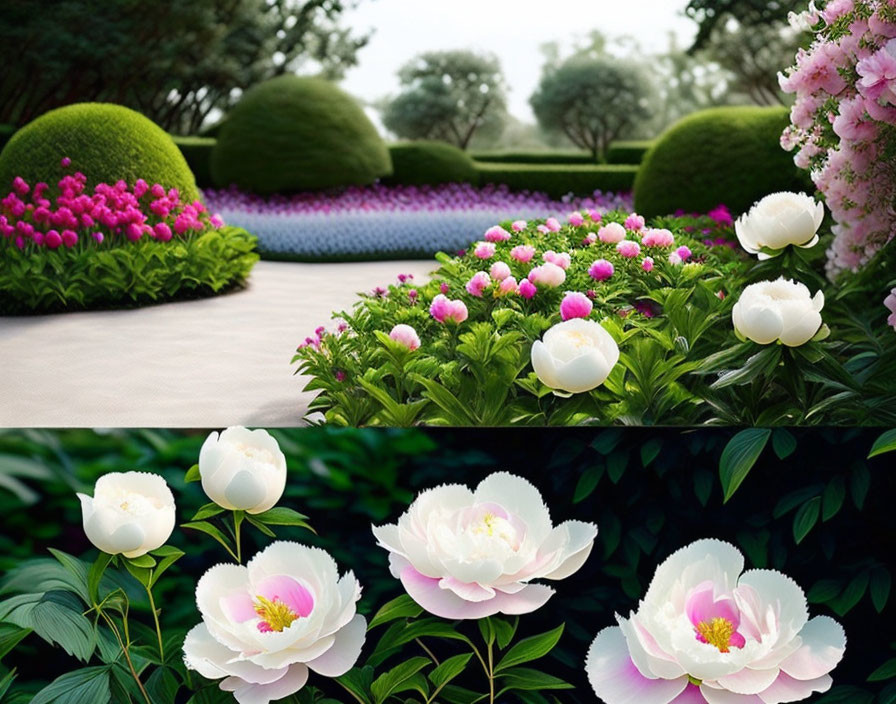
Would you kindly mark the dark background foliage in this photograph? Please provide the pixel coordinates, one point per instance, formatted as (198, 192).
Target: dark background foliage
(812, 506)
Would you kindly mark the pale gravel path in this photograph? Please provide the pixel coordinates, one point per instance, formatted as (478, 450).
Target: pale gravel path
(208, 363)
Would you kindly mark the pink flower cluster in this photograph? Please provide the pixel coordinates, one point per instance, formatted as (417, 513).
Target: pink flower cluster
(28, 217)
(842, 122)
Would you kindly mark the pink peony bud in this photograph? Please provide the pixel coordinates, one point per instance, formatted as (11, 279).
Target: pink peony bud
(547, 274)
(590, 239)
(162, 232)
(576, 219)
(611, 233)
(20, 186)
(499, 271)
(601, 270)
(595, 215)
(543, 229)
(674, 259)
(444, 309)
(444, 287)
(658, 238)
(628, 249)
(518, 225)
(496, 234)
(405, 335)
(52, 239)
(575, 305)
(684, 253)
(507, 286)
(527, 289)
(477, 284)
(98, 236)
(647, 264)
(69, 238)
(65, 162)
(552, 224)
(562, 259)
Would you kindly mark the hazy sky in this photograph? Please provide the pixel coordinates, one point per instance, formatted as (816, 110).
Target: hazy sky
(512, 29)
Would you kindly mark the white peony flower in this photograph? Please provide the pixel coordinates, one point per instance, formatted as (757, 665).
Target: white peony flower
(778, 220)
(266, 624)
(709, 633)
(465, 554)
(130, 513)
(242, 469)
(575, 356)
(780, 310)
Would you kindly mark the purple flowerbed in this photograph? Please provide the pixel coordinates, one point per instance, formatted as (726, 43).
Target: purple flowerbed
(387, 222)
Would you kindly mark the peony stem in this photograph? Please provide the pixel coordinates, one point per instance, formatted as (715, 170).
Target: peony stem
(488, 668)
(237, 523)
(155, 618)
(127, 655)
(428, 651)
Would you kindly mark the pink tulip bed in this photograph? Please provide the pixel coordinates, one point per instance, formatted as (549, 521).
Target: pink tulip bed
(605, 318)
(214, 572)
(72, 246)
(386, 222)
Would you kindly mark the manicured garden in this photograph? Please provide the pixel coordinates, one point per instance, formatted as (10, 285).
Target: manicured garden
(192, 578)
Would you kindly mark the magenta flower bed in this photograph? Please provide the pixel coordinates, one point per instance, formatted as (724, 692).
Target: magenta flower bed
(383, 222)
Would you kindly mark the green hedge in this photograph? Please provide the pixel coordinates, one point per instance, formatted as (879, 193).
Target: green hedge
(295, 134)
(729, 155)
(430, 163)
(106, 142)
(542, 157)
(558, 180)
(631, 152)
(198, 153)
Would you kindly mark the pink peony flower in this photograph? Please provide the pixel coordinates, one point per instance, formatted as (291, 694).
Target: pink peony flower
(647, 264)
(563, 260)
(477, 284)
(601, 270)
(548, 274)
(552, 224)
(496, 234)
(575, 305)
(890, 303)
(53, 239)
(507, 286)
(628, 249)
(658, 238)
(65, 162)
(444, 309)
(684, 253)
(674, 258)
(634, 222)
(518, 225)
(611, 233)
(576, 219)
(523, 253)
(162, 232)
(590, 239)
(405, 335)
(484, 250)
(499, 271)
(69, 238)
(527, 289)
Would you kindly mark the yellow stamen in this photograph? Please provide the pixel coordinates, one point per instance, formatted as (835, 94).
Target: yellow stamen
(275, 613)
(579, 339)
(717, 632)
(487, 526)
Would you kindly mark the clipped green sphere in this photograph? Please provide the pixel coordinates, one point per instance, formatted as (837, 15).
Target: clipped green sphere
(729, 155)
(105, 142)
(295, 134)
(427, 163)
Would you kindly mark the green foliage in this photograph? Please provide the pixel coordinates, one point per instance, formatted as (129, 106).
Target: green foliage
(593, 101)
(136, 273)
(198, 153)
(724, 155)
(709, 14)
(449, 96)
(539, 157)
(294, 134)
(559, 180)
(105, 142)
(134, 54)
(628, 152)
(430, 163)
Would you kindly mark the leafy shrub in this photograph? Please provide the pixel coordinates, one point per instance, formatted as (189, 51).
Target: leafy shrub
(540, 157)
(293, 134)
(198, 153)
(728, 155)
(108, 143)
(558, 180)
(631, 152)
(430, 163)
(113, 246)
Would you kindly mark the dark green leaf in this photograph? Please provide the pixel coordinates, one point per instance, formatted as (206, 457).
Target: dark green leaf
(529, 649)
(783, 443)
(387, 683)
(806, 518)
(739, 456)
(97, 569)
(449, 669)
(881, 582)
(208, 510)
(282, 516)
(832, 498)
(885, 443)
(887, 671)
(10, 636)
(402, 607)
(89, 685)
(527, 679)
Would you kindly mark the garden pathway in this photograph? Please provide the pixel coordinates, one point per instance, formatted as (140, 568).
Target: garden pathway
(206, 363)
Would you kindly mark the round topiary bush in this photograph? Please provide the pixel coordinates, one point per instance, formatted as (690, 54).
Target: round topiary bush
(105, 142)
(729, 155)
(426, 163)
(294, 134)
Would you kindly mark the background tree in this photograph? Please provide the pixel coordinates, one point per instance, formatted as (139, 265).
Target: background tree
(710, 14)
(593, 100)
(176, 62)
(449, 95)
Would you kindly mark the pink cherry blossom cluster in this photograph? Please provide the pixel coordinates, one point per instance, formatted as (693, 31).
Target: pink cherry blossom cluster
(842, 122)
(29, 217)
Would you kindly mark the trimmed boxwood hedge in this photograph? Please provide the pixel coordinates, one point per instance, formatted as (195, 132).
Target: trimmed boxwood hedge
(559, 179)
(631, 152)
(106, 142)
(198, 153)
(543, 157)
(430, 163)
(729, 155)
(297, 134)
